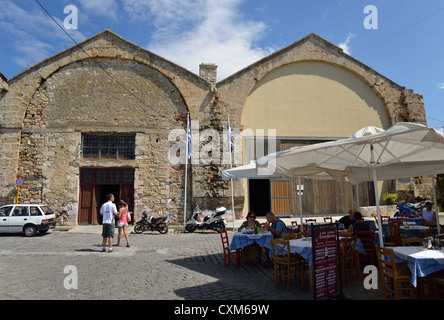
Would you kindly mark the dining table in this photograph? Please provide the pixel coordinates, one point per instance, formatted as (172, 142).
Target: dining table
(421, 262)
(303, 247)
(241, 240)
(407, 231)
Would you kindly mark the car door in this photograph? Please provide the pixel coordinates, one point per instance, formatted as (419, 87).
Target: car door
(18, 218)
(4, 218)
(35, 215)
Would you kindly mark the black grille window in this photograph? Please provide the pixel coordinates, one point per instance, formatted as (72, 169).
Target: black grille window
(109, 146)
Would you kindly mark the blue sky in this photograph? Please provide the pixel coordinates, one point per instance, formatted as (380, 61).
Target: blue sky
(407, 47)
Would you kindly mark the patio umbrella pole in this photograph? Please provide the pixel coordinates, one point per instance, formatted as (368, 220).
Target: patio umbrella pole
(300, 200)
(438, 228)
(378, 210)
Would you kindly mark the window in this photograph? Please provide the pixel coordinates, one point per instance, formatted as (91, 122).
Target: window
(5, 211)
(35, 211)
(109, 146)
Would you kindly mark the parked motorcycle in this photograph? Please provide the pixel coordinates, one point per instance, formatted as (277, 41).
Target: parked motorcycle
(408, 209)
(213, 222)
(151, 224)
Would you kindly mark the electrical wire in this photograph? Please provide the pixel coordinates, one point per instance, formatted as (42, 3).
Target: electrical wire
(98, 64)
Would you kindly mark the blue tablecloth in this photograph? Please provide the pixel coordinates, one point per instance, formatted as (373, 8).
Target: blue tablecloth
(303, 247)
(420, 262)
(242, 240)
(413, 231)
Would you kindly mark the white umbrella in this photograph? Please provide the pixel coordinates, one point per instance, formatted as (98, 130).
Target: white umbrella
(371, 154)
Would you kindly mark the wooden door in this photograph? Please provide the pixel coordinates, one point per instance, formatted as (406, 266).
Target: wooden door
(86, 197)
(280, 197)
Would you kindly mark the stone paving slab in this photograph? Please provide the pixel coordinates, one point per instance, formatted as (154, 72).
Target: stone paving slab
(174, 266)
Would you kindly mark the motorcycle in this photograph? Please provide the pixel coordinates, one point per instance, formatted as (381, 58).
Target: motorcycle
(213, 222)
(408, 209)
(151, 224)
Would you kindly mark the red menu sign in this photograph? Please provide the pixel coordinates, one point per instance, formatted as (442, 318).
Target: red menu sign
(324, 254)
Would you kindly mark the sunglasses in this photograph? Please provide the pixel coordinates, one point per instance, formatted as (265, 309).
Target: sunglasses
(252, 217)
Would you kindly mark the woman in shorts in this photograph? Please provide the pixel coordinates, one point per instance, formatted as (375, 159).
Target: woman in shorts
(124, 218)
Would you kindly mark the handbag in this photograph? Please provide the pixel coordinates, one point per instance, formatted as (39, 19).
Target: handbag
(128, 216)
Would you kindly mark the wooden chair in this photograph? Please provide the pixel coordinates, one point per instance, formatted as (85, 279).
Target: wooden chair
(230, 255)
(395, 234)
(435, 283)
(395, 281)
(368, 242)
(328, 219)
(289, 236)
(305, 234)
(439, 239)
(383, 219)
(284, 265)
(415, 241)
(310, 220)
(294, 224)
(347, 256)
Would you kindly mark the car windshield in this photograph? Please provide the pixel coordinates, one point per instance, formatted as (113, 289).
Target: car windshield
(47, 210)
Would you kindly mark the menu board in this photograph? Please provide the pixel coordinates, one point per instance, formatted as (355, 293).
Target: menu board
(325, 252)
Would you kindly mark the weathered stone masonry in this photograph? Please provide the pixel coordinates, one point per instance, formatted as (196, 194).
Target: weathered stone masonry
(118, 87)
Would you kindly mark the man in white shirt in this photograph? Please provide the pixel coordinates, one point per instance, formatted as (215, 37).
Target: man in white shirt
(108, 211)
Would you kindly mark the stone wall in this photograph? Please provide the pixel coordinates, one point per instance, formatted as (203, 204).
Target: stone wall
(124, 89)
(114, 86)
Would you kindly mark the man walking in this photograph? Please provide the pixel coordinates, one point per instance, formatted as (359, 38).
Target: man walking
(108, 211)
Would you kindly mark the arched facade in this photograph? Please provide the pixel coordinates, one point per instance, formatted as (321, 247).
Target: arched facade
(98, 118)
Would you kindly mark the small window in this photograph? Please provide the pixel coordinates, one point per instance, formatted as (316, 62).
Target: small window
(47, 210)
(109, 146)
(35, 211)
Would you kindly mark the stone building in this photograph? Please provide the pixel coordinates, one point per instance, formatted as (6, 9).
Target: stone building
(109, 116)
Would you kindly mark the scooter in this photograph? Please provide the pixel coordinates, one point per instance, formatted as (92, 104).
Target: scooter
(151, 224)
(213, 222)
(408, 209)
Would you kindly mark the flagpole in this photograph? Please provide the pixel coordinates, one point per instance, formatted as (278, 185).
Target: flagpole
(231, 166)
(186, 172)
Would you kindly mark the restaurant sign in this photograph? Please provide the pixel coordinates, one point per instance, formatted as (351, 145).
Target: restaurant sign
(325, 258)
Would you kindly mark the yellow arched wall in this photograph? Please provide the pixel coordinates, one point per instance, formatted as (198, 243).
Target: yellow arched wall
(313, 99)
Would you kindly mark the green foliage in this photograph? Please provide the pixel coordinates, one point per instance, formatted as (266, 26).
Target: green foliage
(390, 198)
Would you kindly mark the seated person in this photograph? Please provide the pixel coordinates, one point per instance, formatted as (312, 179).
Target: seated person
(347, 221)
(428, 214)
(251, 253)
(276, 226)
(251, 222)
(359, 224)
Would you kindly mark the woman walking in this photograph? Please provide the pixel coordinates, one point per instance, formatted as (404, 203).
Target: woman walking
(124, 218)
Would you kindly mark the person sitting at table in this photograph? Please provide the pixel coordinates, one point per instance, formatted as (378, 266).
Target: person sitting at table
(276, 226)
(359, 224)
(251, 222)
(251, 253)
(428, 214)
(347, 221)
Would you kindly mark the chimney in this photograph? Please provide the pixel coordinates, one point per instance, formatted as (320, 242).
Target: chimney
(208, 71)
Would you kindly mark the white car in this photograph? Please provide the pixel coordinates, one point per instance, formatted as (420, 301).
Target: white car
(26, 218)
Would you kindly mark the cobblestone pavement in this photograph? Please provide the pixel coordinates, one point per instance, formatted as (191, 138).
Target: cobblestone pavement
(174, 266)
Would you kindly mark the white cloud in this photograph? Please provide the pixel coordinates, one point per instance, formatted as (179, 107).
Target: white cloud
(191, 32)
(441, 85)
(37, 36)
(345, 45)
(107, 8)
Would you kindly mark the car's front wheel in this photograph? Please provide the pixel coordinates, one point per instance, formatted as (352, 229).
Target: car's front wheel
(30, 230)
